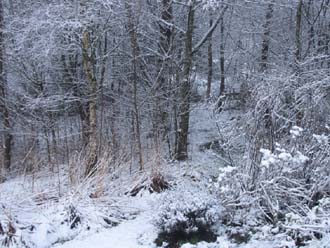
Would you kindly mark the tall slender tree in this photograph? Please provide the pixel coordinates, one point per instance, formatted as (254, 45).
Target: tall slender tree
(298, 41)
(185, 87)
(88, 58)
(266, 38)
(7, 137)
(184, 110)
(210, 63)
(132, 30)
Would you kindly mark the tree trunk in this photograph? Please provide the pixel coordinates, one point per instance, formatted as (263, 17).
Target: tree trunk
(184, 108)
(222, 56)
(88, 62)
(7, 138)
(135, 53)
(162, 120)
(266, 39)
(210, 65)
(104, 52)
(264, 66)
(298, 34)
(3, 97)
(222, 65)
(300, 113)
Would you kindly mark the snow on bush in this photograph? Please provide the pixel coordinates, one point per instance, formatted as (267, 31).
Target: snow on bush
(9, 236)
(188, 211)
(62, 225)
(188, 216)
(56, 224)
(288, 188)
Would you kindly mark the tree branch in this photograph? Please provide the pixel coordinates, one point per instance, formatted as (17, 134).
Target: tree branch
(210, 31)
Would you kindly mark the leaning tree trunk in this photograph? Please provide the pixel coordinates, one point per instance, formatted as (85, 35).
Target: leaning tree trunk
(262, 139)
(3, 98)
(184, 109)
(264, 66)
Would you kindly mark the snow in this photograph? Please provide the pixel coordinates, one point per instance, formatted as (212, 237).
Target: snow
(322, 139)
(296, 131)
(45, 206)
(137, 233)
(268, 158)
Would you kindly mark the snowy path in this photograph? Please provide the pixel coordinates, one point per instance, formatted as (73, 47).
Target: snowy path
(202, 127)
(137, 233)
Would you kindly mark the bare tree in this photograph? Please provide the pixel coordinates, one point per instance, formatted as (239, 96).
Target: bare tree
(184, 110)
(88, 65)
(210, 64)
(299, 115)
(132, 30)
(3, 96)
(185, 91)
(92, 103)
(266, 38)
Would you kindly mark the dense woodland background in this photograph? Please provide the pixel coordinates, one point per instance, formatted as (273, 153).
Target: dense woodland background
(119, 77)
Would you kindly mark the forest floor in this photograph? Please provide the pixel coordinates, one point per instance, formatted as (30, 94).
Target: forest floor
(47, 212)
(140, 232)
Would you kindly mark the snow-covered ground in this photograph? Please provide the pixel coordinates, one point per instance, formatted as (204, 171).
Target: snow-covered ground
(47, 211)
(136, 233)
(41, 204)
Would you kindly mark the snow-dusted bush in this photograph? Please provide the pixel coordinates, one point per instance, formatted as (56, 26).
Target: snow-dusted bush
(315, 224)
(9, 236)
(56, 224)
(288, 188)
(285, 161)
(188, 211)
(284, 175)
(190, 216)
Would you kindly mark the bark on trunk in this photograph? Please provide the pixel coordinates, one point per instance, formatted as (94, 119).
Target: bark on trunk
(88, 63)
(300, 113)
(263, 67)
(3, 98)
(162, 120)
(222, 65)
(266, 39)
(182, 151)
(210, 65)
(135, 53)
(298, 34)
(222, 57)
(104, 52)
